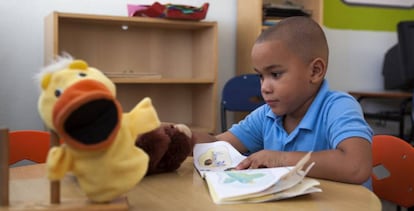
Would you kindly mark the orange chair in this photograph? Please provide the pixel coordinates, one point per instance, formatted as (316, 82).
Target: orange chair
(393, 170)
(34, 146)
(30, 145)
(17, 146)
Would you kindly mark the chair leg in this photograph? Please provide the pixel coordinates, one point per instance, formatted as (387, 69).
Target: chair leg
(4, 166)
(223, 119)
(54, 185)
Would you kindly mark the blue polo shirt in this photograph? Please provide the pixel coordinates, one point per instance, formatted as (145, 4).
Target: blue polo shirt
(332, 117)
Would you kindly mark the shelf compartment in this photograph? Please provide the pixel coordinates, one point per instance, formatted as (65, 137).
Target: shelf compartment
(172, 49)
(189, 104)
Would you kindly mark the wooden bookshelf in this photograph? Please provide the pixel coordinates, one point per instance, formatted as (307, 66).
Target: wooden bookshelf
(172, 62)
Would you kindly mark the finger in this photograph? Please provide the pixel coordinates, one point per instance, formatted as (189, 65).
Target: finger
(243, 165)
(254, 165)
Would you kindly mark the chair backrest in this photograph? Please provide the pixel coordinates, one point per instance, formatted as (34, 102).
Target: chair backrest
(241, 93)
(393, 170)
(30, 145)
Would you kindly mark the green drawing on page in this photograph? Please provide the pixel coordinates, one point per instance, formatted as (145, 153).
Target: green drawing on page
(242, 177)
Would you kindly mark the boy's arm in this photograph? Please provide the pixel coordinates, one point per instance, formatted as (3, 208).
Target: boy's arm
(203, 137)
(351, 162)
(233, 140)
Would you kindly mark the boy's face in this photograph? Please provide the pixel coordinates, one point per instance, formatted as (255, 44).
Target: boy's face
(287, 82)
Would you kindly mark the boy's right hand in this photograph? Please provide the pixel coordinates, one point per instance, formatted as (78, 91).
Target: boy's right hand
(262, 159)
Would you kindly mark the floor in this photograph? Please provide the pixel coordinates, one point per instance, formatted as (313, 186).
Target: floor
(388, 206)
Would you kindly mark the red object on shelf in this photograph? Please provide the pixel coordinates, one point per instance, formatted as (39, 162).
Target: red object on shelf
(169, 11)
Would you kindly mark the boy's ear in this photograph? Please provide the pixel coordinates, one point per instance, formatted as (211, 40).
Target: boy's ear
(318, 70)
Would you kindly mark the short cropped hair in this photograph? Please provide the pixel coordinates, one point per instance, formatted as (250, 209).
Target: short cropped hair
(301, 34)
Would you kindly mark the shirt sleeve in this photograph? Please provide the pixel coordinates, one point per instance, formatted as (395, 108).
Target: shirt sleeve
(345, 120)
(250, 130)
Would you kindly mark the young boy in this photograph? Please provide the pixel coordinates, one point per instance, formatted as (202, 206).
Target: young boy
(301, 114)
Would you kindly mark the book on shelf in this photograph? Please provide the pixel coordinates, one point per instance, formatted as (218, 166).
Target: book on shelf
(216, 161)
(270, 21)
(284, 10)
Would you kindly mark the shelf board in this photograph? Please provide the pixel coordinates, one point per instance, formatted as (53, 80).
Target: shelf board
(162, 81)
(136, 21)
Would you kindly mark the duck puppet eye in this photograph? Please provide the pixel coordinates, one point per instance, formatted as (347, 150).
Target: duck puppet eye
(82, 74)
(58, 92)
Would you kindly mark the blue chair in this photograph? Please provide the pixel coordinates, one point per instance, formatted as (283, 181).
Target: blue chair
(240, 94)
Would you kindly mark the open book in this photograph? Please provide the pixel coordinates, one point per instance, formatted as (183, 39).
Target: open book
(215, 162)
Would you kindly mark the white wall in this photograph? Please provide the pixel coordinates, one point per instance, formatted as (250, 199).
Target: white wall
(356, 58)
(21, 47)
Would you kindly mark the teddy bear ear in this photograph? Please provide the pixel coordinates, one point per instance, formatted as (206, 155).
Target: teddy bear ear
(45, 80)
(184, 129)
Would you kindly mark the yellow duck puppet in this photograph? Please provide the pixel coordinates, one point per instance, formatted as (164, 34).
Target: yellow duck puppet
(78, 102)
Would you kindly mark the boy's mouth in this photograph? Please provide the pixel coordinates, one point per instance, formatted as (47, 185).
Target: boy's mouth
(272, 103)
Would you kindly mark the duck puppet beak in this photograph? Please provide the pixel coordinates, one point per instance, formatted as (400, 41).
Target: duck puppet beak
(87, 116)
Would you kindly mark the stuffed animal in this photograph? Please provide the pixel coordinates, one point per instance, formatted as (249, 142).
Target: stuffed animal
(78, 102)
(167, 146)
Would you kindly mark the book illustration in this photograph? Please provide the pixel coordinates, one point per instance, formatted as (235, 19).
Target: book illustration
(242, 177)
(239, 184)
(287, 179)
(216, 156)
(213, 161)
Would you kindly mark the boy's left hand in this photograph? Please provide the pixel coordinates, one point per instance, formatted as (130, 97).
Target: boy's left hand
(262, 159)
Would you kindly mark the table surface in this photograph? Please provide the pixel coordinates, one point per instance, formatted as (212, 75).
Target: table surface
(180, 190)
(381, 94)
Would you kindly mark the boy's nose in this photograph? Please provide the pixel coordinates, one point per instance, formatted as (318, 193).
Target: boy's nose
(265, 86)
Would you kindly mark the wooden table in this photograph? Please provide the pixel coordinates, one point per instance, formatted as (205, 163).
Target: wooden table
(404, 99)
(381, 94)
(185, 190)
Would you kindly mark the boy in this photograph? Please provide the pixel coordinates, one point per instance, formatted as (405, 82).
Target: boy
(301, 114)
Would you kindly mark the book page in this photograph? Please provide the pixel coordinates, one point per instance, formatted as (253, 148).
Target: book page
(242, 184)
(306, 186)
(293, 177)
(216, 156)
(286, 179)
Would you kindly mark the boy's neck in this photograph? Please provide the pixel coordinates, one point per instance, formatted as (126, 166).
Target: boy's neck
(290, 123)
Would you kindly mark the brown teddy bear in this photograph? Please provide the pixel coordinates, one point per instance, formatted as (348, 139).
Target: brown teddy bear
(167, 146)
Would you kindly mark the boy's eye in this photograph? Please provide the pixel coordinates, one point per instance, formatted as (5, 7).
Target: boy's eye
(276, 74)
